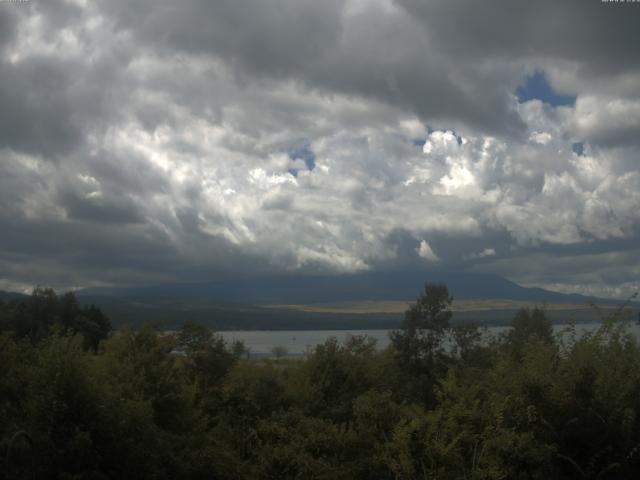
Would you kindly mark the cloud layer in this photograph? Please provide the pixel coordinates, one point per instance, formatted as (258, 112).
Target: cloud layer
(152, 141)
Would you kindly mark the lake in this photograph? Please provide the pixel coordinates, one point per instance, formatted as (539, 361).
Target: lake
(297, 342)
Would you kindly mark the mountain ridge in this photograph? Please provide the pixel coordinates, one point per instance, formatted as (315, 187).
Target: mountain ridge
(299, 289)
(305, 302)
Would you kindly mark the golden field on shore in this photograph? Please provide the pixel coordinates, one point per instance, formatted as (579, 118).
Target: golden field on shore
(399, 306)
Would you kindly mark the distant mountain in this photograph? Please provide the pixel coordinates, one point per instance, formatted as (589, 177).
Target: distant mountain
(7, 296)
(241, 304)
(298, 289)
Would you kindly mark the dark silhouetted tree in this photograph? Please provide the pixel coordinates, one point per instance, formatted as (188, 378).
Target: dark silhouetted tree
(529, 326)
(419, 344)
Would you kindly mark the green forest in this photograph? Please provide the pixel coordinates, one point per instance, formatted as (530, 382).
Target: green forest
(80, 400)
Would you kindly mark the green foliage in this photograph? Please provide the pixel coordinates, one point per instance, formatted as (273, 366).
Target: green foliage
(334, 375)
(206, 360)
(440, 402)
(419, 344)
(44, 311)
(529, 326)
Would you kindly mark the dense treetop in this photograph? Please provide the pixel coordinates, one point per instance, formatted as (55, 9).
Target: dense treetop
(80, 401)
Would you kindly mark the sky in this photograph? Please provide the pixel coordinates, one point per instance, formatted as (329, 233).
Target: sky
(153, 141)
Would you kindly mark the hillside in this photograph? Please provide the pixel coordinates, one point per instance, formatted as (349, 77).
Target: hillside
(7, 296)
(366, 301)
(329, 302)
(298, 289)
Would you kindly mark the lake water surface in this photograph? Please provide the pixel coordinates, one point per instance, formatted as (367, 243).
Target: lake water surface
(297, 342)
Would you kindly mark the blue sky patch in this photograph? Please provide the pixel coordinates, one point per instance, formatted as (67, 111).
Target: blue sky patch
(578, 148)
(536, 87)
(305, 153)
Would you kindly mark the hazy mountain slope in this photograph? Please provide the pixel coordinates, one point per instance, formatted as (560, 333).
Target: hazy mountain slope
(240, 303)
(7, 296)
(236, 303)
(323, 289)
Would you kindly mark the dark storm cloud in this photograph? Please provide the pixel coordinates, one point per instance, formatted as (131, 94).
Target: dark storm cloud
(121, 210)
(276, 36)
(120, 173)
(611, 274)
(366, 52)
(149, 141)
(443, 60)
(7, 25)
(83, 253)
(51, 98)
(61, 77)
(37, 113)
(602, 38)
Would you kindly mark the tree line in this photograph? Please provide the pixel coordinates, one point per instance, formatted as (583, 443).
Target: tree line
(79, 400)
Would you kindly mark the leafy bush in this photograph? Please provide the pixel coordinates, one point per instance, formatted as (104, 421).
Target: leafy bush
(78, 401)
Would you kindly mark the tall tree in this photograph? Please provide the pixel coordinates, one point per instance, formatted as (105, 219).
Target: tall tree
(419, 343)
